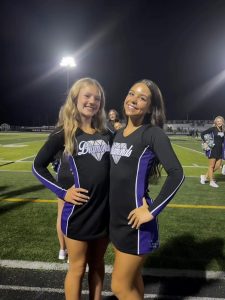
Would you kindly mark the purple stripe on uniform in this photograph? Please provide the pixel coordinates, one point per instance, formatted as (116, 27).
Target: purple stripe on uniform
(148, 235)
(68, 207)
(144, 165)
(148, 232)
(60, 192)
(66, 213)
(74, 170)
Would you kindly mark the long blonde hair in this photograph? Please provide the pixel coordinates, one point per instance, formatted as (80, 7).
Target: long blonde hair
(69, 116)
(222, 119)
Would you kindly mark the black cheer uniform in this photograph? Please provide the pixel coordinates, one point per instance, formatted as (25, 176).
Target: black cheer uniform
(217, 151)
(132, 158)
(88, 169)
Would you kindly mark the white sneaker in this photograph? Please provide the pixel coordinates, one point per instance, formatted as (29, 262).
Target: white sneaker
(223, 170)
(213, 184)
(202, 179)
(62, 254)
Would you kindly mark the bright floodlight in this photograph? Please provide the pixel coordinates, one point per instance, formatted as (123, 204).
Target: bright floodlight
(68, 61)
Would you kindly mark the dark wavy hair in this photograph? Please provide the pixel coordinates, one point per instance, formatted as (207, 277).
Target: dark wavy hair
(156, 117)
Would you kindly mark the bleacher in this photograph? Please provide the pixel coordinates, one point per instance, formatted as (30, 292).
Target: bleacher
(183, 127)
(187, 127)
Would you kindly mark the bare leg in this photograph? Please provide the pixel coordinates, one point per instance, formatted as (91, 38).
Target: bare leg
(61, 238)
(217, 165)
(77, 252)
(127, 282)
(211, 167)
(96, 251)
(207, 175)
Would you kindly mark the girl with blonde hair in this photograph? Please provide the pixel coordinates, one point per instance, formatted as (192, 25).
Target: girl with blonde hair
(213, 142)
(83, 183)
(60, 203)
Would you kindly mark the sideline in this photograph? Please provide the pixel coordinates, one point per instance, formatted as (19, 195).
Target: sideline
(38, 265)
(104, 293)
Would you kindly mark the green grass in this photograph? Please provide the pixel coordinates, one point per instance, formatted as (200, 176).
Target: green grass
(190, 238)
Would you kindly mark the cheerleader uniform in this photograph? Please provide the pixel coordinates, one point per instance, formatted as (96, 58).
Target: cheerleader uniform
(218, 138)
(88, 169)
(132, 158)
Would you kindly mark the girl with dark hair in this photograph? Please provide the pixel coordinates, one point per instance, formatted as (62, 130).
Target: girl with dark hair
(113, 122)
(136, 154)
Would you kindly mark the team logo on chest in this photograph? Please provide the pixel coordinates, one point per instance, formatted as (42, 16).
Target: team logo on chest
(96, 148)
(120, 149)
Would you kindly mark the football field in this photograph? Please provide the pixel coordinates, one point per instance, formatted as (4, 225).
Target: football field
(192, 227)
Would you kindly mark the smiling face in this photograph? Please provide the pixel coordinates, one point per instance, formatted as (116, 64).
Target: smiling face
(138, 101)
(219, 122)
(88, 101)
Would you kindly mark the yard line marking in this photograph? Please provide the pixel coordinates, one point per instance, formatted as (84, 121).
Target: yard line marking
(39, 265)
(25, 158)
(16, 145)
(30, 289)
(196, 206)
(22, 161)
(189, 149)
(169, 205)
(195, 166)
(4, 160)
(15, 171)
(30, 200)
(104, 293)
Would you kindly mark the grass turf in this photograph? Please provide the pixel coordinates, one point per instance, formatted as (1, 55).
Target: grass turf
(190, 237)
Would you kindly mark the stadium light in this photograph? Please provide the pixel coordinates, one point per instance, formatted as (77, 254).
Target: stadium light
(68, 62)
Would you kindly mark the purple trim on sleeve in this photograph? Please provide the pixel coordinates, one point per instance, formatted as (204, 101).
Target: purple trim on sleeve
(60, 192)
(160, 207)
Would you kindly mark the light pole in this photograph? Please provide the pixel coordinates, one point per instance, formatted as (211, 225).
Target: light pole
(68, 62)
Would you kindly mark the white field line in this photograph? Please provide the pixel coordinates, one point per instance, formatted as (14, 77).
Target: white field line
(104, 293)
(199, 152)
(18, 171)
(20, 160)
(22, 143)
(37, 265)
(5, 161)
(195, 166)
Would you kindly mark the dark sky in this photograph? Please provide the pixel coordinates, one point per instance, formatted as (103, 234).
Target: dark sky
(178, 44)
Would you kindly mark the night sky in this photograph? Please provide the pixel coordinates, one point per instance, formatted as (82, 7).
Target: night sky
(178, 44)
